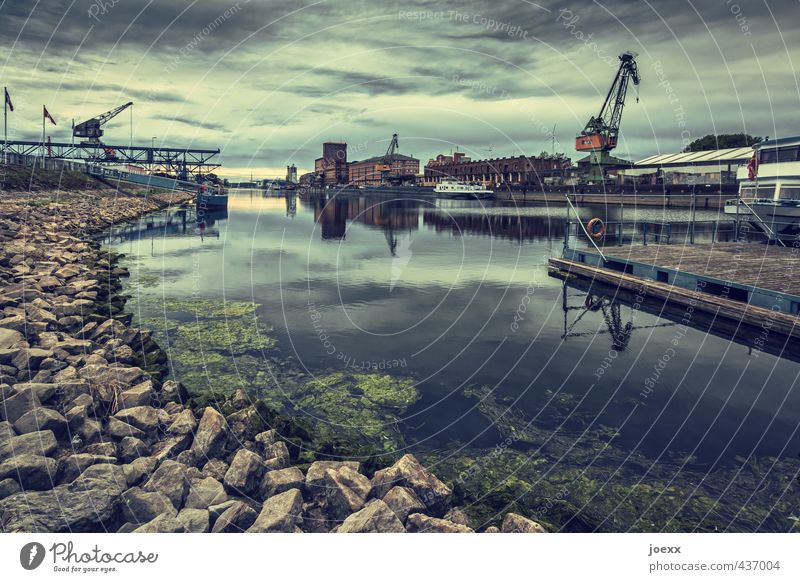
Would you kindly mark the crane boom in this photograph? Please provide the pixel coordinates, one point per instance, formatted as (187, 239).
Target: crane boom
(601, 132)
(91, 128)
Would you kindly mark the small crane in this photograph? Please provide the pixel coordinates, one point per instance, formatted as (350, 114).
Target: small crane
(91, 130)
(601, 132)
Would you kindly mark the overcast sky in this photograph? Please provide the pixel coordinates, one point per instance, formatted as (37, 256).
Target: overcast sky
(268, 81)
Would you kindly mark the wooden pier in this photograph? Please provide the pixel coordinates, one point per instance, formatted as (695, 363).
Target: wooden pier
(751, 283)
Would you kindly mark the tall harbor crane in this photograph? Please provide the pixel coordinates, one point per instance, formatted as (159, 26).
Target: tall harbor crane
(601, 132)
(90, 130)
(386, 168)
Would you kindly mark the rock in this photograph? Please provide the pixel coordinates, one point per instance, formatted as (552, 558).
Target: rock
(33, 443)
(170, 478)
(187, 458)
(170, 447)
(139, 506)
(30, 358)
(131, 448)
(211, 436)
(316, 472)
(245, 473)
(22, 402)
(81, 506)
(403, 501)
(145, 418)
(280, 513)
(203, 493)
(9, 338)
(119, 430)
(215, 468)
(183, 423)
(375, 517)
(340, 500)
(44, 392)
(139, 395)
(420, 523)
(32, 472)
(240, 399)
(8, 487)
(457, 516)
(246, 424)
(69, 468)
(194, 520)
(139, 469)
(277, 456)
(173, 391)
(275, 482)
(408, 472)
(515, 523)
(40, 419)
(164, 523)
(264, 440)
(216, 510)
(237, 518)
(106, 449)
(492, 529)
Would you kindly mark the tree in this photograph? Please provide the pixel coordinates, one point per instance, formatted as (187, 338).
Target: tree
(722, 141)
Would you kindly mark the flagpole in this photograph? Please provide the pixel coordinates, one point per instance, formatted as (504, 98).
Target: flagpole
(43, 150)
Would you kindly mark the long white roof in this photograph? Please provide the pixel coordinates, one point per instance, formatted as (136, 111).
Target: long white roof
(735, 155)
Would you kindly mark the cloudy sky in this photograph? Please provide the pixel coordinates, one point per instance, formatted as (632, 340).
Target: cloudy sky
(267, 81)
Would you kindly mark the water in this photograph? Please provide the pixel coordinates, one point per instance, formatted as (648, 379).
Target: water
(660, 428)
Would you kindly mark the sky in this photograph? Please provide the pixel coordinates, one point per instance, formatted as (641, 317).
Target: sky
(268, 81)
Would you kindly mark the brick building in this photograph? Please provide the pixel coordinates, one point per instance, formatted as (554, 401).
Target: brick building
(370, 172)
(514, 170)
(332, 166)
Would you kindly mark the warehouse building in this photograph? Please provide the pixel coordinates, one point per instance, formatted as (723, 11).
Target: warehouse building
(496, 171)
(372, 171)
(714, 167)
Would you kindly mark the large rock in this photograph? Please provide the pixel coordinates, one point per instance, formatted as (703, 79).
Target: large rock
(32, 472)
(9, 338)
(245, 473)
(69, 468)
(408, 472)
(203, 493)
(18, 404)
(131, 448)
(173, 391)
(375, 517)
(183, 423)
(236, 519)
(277, 456)
(39, 419)
(81, 506)
(34, 443)
(164, 523)
(280, 513)
(420, 523)
(317, 471)
(139, 506)
(342, 496)
(145, 418)
(139, 395)
(275, 482)
(194, 520)
(245, 424)
(515, 523)
(211, 436)
(170, 479)
(119, 430)
(403, 501)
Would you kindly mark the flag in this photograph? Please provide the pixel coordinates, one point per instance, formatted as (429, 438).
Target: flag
(752, 166)
(8, 99)
(47, 115)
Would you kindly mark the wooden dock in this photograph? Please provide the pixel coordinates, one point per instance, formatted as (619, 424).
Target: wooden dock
(756, 284)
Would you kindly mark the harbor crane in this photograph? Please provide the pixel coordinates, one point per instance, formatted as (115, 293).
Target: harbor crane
(91, 130)
(600, 135)
(387, 177)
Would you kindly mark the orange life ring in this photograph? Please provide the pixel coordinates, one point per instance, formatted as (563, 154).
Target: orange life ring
(596, 228)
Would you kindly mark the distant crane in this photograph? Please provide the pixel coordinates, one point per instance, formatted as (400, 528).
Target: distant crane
(91, 130)
(602, 131)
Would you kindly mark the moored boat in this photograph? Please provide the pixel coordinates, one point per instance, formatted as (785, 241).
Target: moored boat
(457, 189)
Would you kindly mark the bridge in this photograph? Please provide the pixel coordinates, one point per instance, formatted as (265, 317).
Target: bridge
(181, 162)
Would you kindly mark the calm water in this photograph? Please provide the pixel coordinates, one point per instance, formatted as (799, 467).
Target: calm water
(456, 296)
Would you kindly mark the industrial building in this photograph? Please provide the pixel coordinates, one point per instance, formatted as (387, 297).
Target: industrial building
(514, 170)
(716, 167)
(371, 172)
(332, 166)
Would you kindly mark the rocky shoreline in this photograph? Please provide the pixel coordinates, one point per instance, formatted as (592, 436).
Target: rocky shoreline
(92, 438)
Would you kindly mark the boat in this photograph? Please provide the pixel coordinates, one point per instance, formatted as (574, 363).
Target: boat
(457, 189)
(211, 197)
(769, 189)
